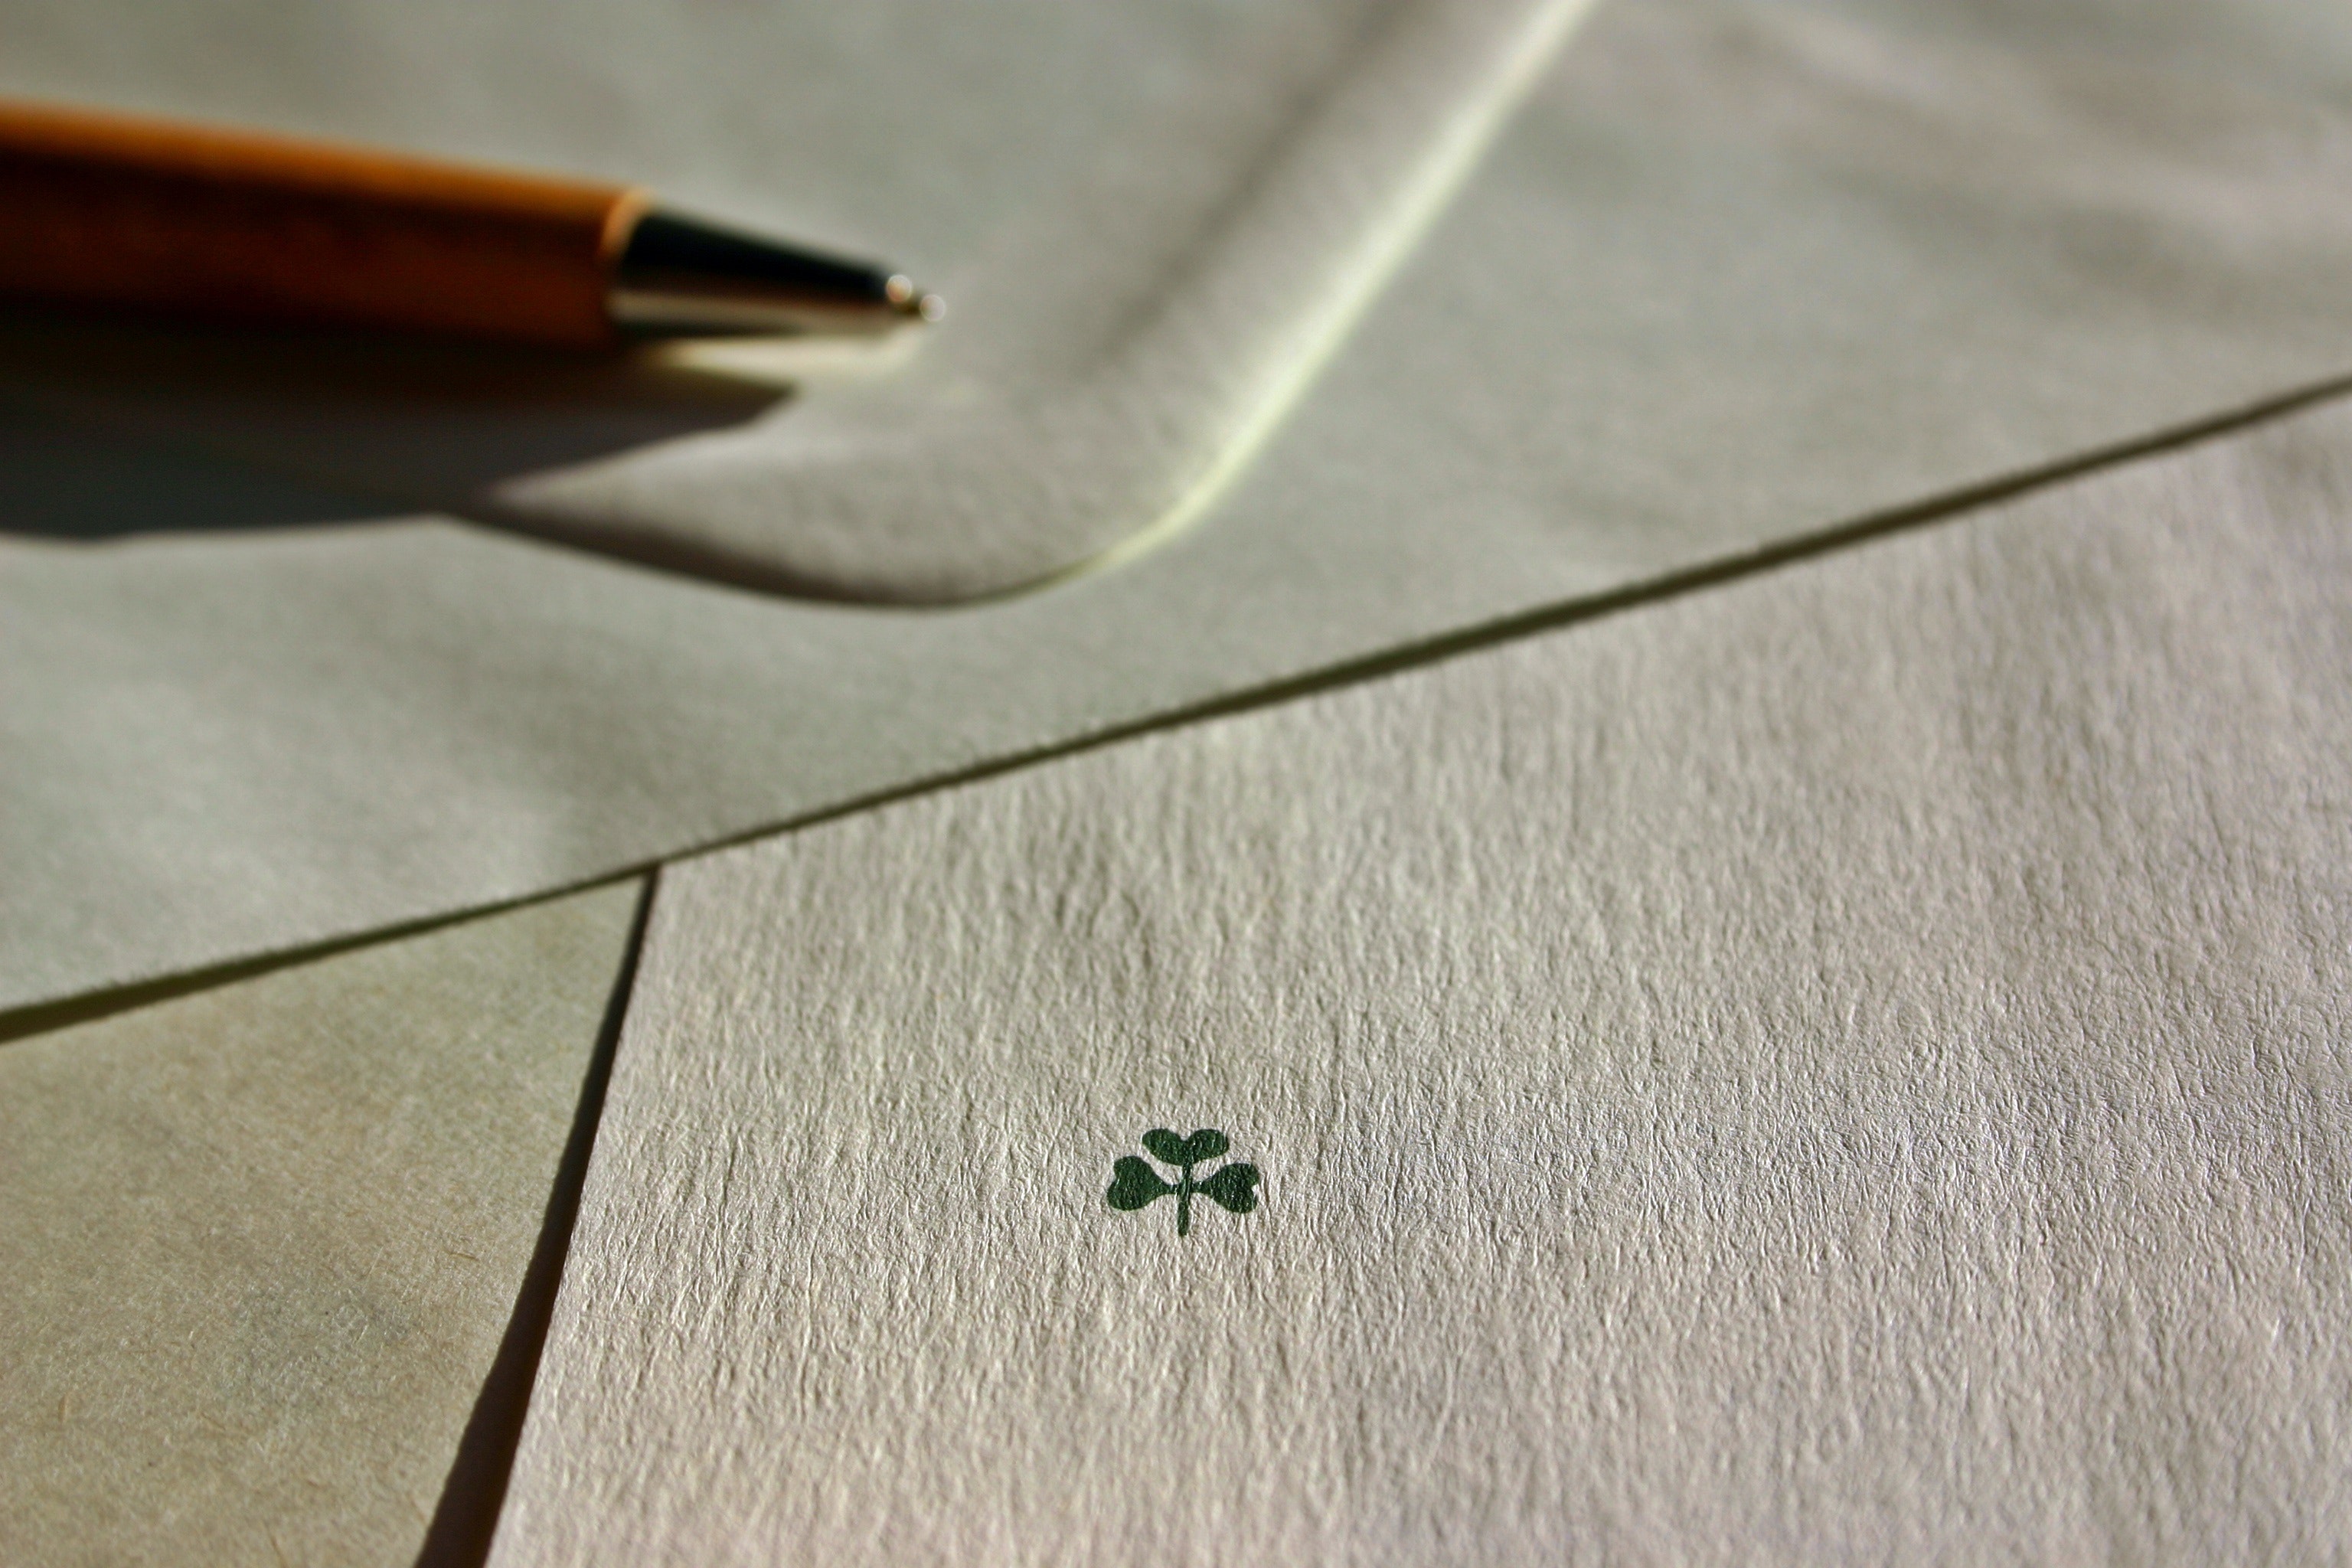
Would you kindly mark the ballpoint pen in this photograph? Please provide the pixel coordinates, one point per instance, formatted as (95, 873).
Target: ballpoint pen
(113, 211)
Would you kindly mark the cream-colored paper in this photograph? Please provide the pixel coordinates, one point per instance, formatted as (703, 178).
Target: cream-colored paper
(259, 1245)
(1742, 273)
(1846, 1067)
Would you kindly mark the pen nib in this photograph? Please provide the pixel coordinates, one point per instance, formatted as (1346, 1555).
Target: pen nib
(679, 276)
(913, 301)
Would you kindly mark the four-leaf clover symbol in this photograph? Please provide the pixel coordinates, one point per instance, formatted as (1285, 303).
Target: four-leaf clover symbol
(1133, 1181)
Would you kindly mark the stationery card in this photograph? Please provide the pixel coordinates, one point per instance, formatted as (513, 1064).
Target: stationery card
(1846, 1064)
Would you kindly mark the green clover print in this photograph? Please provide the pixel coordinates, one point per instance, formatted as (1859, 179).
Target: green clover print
(1133, 1181)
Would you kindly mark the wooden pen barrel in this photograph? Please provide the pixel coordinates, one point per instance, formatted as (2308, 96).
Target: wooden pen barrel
(105, 210)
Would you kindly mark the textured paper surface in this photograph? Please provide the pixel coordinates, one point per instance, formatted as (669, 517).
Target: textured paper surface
(258, 1245)
(1738, 274)
(1155, 221)
(1846, 1067)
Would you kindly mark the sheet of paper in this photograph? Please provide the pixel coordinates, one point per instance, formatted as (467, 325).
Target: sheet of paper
(1743, 273)
(261, 1245)
(1844, 1065)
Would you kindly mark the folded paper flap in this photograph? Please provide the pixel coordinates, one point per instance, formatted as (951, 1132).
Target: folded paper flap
(1018, 475)
(1712, 299)
(1138, 314)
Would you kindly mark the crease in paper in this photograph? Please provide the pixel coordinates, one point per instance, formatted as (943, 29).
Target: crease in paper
(918, 498)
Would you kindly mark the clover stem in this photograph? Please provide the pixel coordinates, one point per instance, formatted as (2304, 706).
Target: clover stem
(1184, 1204)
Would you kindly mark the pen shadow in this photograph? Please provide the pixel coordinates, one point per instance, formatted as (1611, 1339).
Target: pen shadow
(112, 426)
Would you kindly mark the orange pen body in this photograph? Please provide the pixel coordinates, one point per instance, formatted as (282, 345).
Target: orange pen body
(107, 210)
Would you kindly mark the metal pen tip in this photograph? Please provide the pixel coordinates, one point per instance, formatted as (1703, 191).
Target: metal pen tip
(913, 301)
(680, 277)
